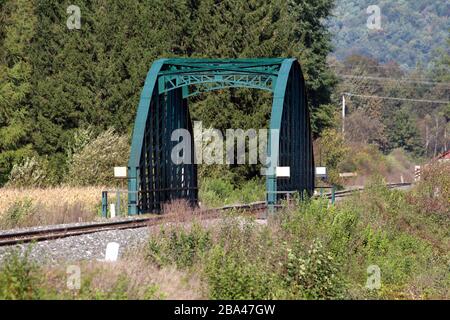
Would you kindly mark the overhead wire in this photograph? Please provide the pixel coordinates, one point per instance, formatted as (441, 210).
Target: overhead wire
(395, 98)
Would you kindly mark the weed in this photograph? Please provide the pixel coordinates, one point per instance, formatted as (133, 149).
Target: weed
(17, 214)
(176, 245)
(19, 277)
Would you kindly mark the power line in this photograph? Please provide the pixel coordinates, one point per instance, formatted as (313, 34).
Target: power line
(393, 85)
(364, 67)
(394, 98)
(432, 83)
(381, 67)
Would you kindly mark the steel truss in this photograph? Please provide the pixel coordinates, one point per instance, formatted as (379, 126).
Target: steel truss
(152, 177)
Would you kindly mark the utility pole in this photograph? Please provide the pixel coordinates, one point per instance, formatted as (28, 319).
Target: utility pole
(343, 114)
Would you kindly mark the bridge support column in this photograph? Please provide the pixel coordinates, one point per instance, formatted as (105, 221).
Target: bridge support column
(132, 191)
(163, 108)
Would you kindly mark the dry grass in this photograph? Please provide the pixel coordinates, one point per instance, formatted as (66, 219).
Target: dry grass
(129, 278)
(368, 161)
(52, 197)
(51, 205)
(180, 211)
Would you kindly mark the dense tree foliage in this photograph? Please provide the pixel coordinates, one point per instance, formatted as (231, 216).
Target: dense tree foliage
(416, 125)
(411, 30)
(54, 81)
(17, 29)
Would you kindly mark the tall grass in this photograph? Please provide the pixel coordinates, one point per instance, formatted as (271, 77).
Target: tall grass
(319, 251)
(309, 250)
(30, 207)
(215, 192)
(130, 278)
(367, 161)
(43, 206)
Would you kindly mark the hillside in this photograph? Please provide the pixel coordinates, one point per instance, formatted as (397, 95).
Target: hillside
(411, 30)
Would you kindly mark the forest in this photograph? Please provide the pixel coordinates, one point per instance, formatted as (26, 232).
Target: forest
(57, 84)
(66, 94)
(412, 31)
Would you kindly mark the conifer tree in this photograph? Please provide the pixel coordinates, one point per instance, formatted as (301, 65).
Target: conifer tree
(15, 83)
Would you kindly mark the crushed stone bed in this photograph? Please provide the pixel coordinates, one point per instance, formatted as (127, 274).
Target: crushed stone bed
(83, 247)
(68, 225)
(90, 246)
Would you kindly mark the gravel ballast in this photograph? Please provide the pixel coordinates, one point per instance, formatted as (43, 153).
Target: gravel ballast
(84, 247)
(90, 246)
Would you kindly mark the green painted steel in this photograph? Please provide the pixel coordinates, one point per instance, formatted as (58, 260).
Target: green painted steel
(104, 204)
(152, 177)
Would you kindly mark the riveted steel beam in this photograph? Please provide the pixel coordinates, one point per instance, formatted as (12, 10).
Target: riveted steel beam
(152, 177)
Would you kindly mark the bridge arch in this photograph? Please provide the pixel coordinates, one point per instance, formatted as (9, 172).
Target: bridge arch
(163, 107)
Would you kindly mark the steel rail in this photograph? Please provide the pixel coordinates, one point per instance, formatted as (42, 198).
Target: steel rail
(347, 193)
(58, 231)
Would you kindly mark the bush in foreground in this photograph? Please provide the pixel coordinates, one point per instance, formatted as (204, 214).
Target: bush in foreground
(320, 251)
(131, 278)
(312, 250)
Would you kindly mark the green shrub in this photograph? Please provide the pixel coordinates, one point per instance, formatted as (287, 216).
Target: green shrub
(234, 275)
(251, 191)
(314, 275)
(400, 258)
(153, 292)
(19, 278)
(315, 250)
(92, 163)
(431, 196)
(216, 192)
(17, 214)
(178, 246)
(343, 233)
(31, 172)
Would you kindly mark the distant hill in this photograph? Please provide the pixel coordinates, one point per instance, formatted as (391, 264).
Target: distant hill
(411, 32)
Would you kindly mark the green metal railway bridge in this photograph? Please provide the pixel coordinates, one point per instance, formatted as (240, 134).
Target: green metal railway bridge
(154, 179)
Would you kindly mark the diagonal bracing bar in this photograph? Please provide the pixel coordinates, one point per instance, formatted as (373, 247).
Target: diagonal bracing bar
(152, 177)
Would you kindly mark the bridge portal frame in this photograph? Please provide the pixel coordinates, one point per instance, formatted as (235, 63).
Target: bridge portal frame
(163, 107)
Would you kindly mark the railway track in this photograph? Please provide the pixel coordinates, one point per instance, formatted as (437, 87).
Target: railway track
(57, 232)
(347, 193)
